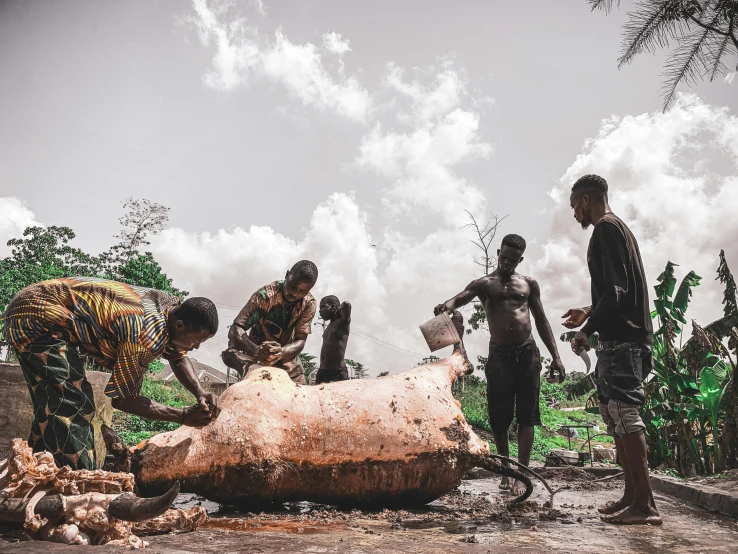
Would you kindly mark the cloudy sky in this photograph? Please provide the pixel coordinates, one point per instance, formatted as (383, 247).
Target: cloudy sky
(356, 135)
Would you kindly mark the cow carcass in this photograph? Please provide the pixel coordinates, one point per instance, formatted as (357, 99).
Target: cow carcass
(393, 441)
(83, 507)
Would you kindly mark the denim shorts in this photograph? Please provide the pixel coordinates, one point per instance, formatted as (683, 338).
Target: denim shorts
(621, 369)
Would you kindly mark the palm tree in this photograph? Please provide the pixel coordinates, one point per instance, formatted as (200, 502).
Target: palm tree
(705, 33)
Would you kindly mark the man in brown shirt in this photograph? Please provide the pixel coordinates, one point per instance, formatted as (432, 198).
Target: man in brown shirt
(273, 326)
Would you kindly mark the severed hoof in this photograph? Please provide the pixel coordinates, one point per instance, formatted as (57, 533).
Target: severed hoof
(129, 507)
(634, 516)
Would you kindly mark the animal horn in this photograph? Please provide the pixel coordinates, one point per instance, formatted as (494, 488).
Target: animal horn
(14, 509)
(129, 507)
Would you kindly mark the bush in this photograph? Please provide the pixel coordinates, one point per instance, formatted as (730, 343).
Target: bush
(473, 401)
(133, 429)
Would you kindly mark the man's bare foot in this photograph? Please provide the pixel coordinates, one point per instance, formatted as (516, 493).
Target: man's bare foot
(634, 516)
(505, 484)
(518, 488)
(615, 506)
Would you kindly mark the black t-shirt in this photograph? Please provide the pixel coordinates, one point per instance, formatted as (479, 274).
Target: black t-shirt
(620, 308)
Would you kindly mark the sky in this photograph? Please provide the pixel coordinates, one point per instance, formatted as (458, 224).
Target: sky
(359, 135)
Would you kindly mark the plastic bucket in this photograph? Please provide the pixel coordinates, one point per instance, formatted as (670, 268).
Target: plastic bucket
(440, 332)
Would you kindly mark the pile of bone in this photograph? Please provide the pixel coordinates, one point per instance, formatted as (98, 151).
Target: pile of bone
(83, 507)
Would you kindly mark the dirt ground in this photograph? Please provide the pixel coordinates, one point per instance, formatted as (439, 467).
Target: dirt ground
(472, 519)
(727, 481)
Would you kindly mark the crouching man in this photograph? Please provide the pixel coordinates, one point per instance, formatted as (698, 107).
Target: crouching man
(273, 326)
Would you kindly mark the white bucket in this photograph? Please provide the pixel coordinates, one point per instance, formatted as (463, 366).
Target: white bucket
(440, 332)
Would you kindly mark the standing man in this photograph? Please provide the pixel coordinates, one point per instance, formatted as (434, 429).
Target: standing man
(620, 314)
(273, 326)
(335, 338)
(123, 328)
(514, 365)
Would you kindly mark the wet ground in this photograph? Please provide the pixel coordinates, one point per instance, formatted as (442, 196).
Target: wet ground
(473, 519)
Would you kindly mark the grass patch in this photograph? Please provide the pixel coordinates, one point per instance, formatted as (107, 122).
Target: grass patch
(473, 399)
(133, 429)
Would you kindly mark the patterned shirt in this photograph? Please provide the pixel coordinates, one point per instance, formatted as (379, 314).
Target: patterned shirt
(271, 318)
(122, 327)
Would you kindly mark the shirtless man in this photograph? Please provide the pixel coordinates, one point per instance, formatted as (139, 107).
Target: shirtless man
(335, 338)
(514, 364)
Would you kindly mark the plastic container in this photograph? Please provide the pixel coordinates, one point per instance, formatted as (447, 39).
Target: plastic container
(440, 332)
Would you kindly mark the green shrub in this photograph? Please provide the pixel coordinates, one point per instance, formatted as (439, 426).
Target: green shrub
(133, 429)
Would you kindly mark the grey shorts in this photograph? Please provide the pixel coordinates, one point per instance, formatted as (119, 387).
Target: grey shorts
(621, 370)
(620, 418)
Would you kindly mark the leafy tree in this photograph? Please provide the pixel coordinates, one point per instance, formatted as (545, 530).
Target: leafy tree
(143, 218)
(42, 253)
(358, 371)
(705, 33)
(144, 271)
(309, 365)
(383, 374)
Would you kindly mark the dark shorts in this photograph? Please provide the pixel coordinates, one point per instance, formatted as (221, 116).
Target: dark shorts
(331, 375)
(621, 369)
(513, 383)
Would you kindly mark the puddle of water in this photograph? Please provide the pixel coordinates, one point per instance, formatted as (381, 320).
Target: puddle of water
(293, 527)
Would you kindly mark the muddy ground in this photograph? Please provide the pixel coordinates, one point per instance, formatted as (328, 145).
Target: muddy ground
(472, 519)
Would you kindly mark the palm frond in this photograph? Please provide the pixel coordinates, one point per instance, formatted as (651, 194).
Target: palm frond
(604, 5)
(690, 61)
(717, 56)
(650, 26)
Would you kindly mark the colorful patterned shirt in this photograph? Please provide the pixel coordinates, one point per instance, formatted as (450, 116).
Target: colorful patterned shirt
(271, 317)
(122, 327)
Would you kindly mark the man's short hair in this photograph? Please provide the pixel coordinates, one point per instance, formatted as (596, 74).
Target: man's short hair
(593, 185)
(305, 271)
(514, 241)
(331, 299)
(199, 313)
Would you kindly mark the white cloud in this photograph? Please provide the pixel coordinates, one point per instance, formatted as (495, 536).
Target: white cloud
(14, 218)
(730, 77)
(243, 56)
(664, 180)
(436, 128)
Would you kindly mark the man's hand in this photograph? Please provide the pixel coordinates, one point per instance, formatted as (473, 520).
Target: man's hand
(579, 343)
(557, 367)
(577, 317)
(195, 416)
(269, 352)
(209, 403)
(441, 308)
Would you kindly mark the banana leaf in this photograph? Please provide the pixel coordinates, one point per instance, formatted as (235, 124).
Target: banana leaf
(681, 300)
(667, 282)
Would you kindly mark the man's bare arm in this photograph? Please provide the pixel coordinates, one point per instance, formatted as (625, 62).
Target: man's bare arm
(346, 312)
(185, 374)
(240, 339)
(542, 325)
(292, 350)
(461, 299)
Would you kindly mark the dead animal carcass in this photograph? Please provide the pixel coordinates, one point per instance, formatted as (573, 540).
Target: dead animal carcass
(393, 441)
